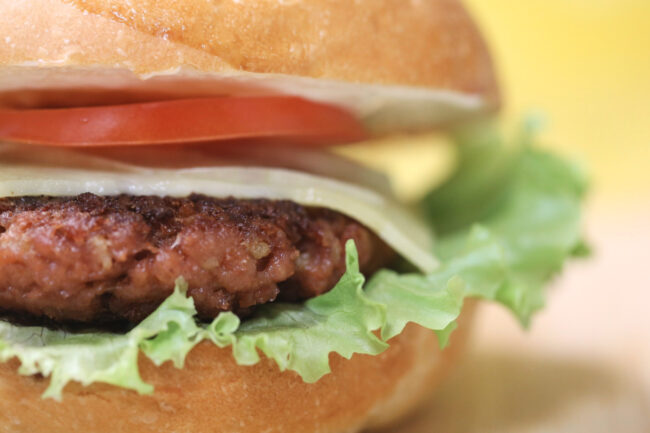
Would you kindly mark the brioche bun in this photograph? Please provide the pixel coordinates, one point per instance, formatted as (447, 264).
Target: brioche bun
(399, 65)
(213, 394)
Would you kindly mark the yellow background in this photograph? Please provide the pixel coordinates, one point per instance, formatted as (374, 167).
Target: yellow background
(586, 65)
(582, 64)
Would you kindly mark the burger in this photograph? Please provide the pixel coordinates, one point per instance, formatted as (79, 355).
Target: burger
(181, 251)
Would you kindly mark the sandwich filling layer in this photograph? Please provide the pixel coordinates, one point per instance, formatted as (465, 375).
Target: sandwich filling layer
(506, 220)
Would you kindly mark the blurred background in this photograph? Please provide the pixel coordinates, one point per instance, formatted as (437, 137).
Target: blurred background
(584, 366)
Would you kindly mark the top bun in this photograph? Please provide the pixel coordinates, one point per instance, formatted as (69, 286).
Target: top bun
(400, 65)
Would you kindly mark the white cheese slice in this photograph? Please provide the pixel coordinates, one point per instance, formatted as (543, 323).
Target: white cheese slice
(27, 171)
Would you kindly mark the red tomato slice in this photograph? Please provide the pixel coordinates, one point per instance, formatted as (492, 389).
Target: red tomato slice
(183, 121)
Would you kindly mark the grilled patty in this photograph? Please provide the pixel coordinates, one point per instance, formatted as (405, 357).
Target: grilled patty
(104, 259)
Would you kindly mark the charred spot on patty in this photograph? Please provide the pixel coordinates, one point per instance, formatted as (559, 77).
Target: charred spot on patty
(100, 259)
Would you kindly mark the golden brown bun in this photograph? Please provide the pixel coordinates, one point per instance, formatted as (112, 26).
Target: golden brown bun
(423, 61)
(213, 394)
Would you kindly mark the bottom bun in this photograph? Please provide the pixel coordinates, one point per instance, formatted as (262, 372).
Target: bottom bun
(214, 394)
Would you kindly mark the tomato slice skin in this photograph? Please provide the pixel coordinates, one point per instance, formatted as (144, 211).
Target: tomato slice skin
(183, 121)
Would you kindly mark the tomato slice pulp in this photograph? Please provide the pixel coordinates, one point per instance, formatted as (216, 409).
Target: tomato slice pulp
(183, 121)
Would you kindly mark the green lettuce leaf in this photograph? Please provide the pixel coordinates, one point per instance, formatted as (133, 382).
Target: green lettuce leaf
(301, 337)
(507, 221)
(435, 300)
(533, 215)
(101, 357)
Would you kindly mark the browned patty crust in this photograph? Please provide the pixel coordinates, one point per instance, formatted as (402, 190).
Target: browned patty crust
(91, 258)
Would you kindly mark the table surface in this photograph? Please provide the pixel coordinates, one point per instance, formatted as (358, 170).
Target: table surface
(584, 366)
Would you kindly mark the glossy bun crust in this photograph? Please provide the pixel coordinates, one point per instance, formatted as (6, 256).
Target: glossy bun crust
(425, 51)
(212, 394)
